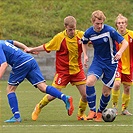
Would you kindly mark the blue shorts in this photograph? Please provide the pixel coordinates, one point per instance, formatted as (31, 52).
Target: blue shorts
(29, 70)
(105, 72)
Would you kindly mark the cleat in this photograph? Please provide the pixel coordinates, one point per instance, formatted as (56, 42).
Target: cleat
(81, 117)
(69, 105)
(36, 113)
(91, 115)
(13, 120)
(98, 117)
(126, 112)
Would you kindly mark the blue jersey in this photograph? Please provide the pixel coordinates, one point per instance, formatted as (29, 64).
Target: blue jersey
(23, 64)
(103, 43)
(14, 56)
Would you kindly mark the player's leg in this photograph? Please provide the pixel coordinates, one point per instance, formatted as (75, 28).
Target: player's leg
(94, 72)
(116, 93)
(36, 78)
(105, 98)
(15, 79)
(91, 96)
(79, 80)
(44, 101)
(57, 94)
(108, 81)
(82, 102)
(13, 102)
(126, 99)
(48, 98)
(116, 89)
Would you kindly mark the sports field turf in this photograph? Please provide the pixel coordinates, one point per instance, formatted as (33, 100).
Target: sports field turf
(54, 118)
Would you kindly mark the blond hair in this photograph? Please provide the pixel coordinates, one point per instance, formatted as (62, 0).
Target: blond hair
(97, 14)
(120, 16)
(69, 20)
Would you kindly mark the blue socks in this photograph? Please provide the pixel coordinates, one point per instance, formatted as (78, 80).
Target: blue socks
(12, 100)
(55, 93)
(103, 102)
(91, 97)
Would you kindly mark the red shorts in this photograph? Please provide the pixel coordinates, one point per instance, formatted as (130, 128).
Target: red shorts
(124, 78)
(61, 80)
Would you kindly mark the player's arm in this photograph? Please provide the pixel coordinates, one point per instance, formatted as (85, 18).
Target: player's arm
(52, 45)
(35, 49)
(3, 68)
(121, 50)
(23, 46)
(85, 49)
(20, 45)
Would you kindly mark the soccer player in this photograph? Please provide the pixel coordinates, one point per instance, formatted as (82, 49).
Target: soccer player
(124, 73)
(68, 47)
(24, 66)
(105, 60)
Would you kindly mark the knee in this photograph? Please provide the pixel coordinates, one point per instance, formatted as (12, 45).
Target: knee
(90, 82)
(126, 89)
(116, 85)
(10, 89)
(106, 93)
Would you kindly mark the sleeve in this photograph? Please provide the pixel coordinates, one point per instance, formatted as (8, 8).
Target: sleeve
(116, 36)
(10, 41)
(131, 34)
(54, 44)
(2, 56)
(85, 38)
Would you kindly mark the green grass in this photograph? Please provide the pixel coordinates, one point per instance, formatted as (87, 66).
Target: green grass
(53, 117)
(34, 22)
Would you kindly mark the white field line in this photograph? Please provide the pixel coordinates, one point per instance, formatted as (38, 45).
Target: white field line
(98, 125)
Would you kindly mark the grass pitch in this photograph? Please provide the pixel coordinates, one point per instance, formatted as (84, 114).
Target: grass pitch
(53, 117)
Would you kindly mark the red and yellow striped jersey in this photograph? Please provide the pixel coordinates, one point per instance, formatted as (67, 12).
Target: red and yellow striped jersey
(126, 61)
(68, 52)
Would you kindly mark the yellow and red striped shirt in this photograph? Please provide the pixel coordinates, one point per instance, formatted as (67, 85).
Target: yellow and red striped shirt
(126, 61)
(68, 52)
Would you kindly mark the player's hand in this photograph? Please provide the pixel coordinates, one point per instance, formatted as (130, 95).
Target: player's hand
(85, 61)
(29, 50)
(117, 56)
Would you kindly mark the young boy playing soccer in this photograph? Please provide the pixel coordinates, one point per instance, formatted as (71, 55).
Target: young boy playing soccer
(24, 66)
(124, 72)
(105, 60)
(69, 68)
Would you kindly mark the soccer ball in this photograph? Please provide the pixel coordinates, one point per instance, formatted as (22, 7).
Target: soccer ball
(109, 115)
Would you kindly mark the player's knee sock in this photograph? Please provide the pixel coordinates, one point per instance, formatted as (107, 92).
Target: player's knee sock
(125, 101)
(115, 97)
(12, 100)
(55, 93)
(44, 101)
(91, 97)
(103, 102)
(82, 107)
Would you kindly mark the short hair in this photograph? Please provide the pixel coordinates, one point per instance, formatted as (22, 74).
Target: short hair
(120, 16)
(97, 14)
(69, 20)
